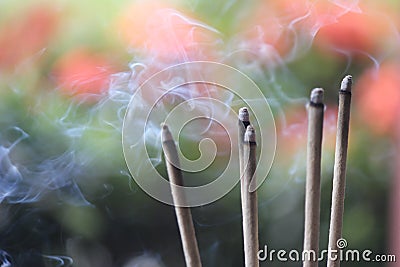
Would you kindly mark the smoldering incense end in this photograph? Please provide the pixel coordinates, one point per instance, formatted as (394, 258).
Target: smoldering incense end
(244, 114)
(166, 134)
(346, 83)
(317, 96)
(250, 135)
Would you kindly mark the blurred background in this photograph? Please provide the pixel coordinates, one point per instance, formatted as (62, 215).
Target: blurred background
(69, 68)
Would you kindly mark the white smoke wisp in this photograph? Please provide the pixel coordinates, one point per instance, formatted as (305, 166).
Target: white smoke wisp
(22, 182)
(5, 259)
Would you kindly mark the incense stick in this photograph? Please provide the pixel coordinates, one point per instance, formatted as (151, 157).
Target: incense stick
(249, 199)
(183, 214)
(394, 217)
(339, 172)
(313, 179)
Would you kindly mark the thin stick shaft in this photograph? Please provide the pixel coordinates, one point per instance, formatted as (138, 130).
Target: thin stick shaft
(395, 208)
(183, 214)
(249, 200)
(339, 172)
(394, 217)
(313, 180)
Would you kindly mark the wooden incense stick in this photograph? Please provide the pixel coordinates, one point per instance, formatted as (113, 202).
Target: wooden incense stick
(313, 179)
(243, 123)
(395, 207)
(249, 200)
(339, 171)
(183, 214)
(394, 217)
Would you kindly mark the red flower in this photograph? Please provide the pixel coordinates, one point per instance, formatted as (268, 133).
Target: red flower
(26, 35)
(164, 32)
(379, 97)
(83, 74)
(363, 32)
(287, 25)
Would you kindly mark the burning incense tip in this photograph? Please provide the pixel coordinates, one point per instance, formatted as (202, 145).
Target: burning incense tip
(244, 114)
(317, 96)
(165, 134)
(346, 83)
(250, 134)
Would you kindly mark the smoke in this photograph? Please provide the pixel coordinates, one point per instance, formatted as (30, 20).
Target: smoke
(5, 259)
(146, 260)
(49, 260)
(28, 182)
(58, 261)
